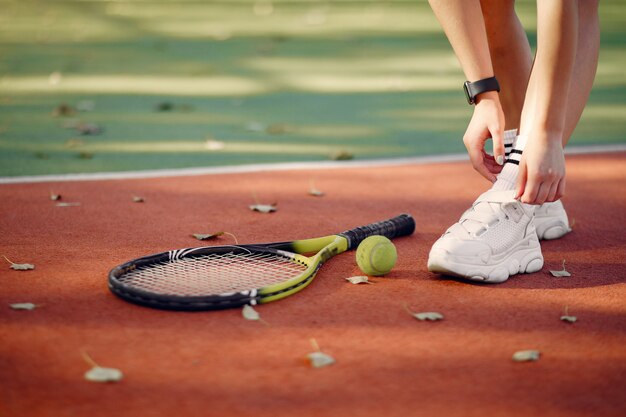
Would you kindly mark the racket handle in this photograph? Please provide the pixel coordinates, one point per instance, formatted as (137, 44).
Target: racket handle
(402, 225)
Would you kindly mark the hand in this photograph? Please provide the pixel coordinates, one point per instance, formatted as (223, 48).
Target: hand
(541, 175)
(487, 122)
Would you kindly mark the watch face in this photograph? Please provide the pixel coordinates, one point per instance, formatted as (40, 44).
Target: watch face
(469, 97)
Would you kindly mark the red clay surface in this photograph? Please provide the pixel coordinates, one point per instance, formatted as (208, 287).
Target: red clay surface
(388, 363)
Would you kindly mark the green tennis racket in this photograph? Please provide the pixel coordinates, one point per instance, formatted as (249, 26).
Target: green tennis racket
(218, 277)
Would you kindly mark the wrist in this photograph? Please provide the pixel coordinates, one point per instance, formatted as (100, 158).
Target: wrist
(490, 96)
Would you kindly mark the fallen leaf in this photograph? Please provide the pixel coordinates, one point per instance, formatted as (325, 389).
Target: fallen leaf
(85, 155)
(23, 306)
(63, 109)
(89, 129)
(207, 236)
(562, 273)
(263, 208)
(278, 129)
(55, 197)
(67, 204)
(359, 279)
(19, 267)
(430, 316)
(164, 106)
(315, 192)
(318, 358)
(342, 156)
(100, 374)
(567, 318)
(249, 313)
(526, 356)
(138, 199)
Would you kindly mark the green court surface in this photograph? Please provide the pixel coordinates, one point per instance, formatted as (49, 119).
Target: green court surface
(208, 83)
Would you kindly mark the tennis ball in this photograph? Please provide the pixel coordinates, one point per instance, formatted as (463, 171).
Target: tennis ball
(376, 255)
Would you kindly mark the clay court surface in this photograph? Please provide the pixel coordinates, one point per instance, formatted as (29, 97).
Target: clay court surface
(388, 363)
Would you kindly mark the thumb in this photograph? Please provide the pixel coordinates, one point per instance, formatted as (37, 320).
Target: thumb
(497, 137)
(521, 179)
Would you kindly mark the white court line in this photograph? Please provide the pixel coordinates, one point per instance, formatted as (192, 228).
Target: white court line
(286, 166)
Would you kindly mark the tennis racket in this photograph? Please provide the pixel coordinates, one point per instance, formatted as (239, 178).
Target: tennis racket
(218, 277)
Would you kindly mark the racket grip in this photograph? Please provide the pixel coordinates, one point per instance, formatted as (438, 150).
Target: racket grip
(402, 225)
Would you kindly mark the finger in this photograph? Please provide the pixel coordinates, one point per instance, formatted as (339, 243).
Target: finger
(542, 193)
(560, 191)
(492, 166)
(476, 156)
(552, 193)
(531, 190)
(521, 179)
(497, 137)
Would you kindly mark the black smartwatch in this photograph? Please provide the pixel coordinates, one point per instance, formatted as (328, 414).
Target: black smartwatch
(472, 90)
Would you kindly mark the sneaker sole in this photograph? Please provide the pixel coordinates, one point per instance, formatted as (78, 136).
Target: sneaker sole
(520, 260)
(551, 231)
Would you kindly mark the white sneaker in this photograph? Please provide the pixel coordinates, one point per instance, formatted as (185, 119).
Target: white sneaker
(551, 221)
(493, 240)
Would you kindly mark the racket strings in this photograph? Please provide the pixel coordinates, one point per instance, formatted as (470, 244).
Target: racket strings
(213, 274)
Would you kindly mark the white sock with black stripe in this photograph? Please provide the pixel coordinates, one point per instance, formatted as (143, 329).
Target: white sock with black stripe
(508, 176)
(509, 142)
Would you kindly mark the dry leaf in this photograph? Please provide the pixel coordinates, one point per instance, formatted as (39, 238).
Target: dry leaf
(85, 155)
(99, 374)
(342, 156)
(23, 306)
(318, 358)
(278, 129)
(263, 208)
(359, 280)
(567, 318)
(55, 197)
(89, 129)
(249, 313)
(562, 273)
(315, 192)
(207, 236)
(430, 316)
(19, 267)
(67, 204)
(164, 106)
(526, 356)
(138, 199)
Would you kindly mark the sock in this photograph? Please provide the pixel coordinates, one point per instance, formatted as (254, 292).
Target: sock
(509, 142)
(508, 176)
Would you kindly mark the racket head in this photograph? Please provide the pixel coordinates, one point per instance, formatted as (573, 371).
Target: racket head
(218, 277)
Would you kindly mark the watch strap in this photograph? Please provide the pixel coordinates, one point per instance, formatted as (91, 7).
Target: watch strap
(473, 89)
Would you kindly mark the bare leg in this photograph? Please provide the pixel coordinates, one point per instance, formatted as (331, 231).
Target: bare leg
(510, 56)
(585, 64)
(584, 71)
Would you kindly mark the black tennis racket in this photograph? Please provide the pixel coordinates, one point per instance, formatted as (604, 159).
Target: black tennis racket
(218, 277)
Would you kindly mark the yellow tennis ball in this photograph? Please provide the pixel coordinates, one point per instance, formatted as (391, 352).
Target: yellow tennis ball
(376, 255)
